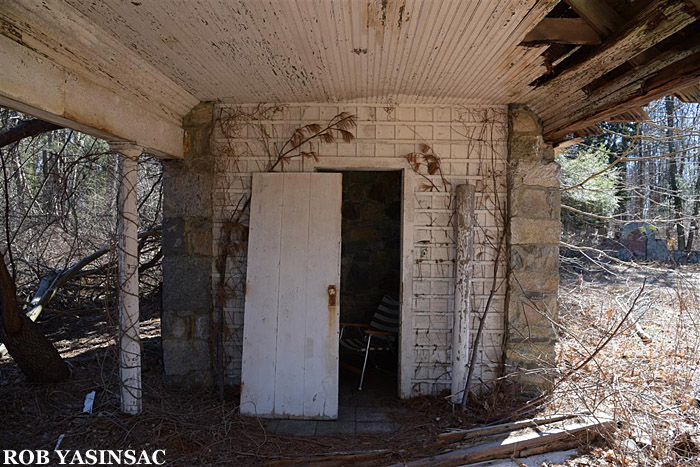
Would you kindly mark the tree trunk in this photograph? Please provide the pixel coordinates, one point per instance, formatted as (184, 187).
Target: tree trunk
(696, 211)
(34, 354)
(673, 172)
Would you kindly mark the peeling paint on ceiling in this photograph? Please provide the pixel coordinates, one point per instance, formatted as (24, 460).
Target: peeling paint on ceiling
(410, 51)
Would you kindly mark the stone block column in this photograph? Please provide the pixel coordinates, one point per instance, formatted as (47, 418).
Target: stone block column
(188, 256)
(533, 251)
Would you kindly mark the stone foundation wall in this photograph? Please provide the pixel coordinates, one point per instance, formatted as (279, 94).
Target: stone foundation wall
(188, 256)
(533, 249)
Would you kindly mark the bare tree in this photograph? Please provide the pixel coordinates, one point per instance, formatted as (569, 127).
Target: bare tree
(59, 193)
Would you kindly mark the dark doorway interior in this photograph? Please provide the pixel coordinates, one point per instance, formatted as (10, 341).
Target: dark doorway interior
(370, 269)
(371, 242)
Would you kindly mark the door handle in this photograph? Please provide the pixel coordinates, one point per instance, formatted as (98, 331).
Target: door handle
(332, 295)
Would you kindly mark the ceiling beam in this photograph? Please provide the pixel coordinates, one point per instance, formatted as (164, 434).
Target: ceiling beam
(31, 83)
(57, 31)
(574, 31)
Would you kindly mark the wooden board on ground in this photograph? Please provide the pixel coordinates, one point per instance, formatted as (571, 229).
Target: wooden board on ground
(525, 442)
(480, 432)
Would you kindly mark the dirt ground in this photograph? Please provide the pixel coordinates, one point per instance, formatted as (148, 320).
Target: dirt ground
(643, 376)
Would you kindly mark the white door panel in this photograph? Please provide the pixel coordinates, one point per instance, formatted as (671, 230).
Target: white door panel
(290, 335)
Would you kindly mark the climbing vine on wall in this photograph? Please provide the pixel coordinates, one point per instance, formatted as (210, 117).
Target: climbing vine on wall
(426, 158)
(478, 130)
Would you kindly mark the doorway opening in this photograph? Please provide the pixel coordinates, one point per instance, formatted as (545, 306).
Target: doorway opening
(370, 277)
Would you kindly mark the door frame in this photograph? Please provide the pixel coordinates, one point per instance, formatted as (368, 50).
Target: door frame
(406, 332)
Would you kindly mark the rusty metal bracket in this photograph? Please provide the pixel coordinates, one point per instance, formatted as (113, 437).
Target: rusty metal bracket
(332, 295)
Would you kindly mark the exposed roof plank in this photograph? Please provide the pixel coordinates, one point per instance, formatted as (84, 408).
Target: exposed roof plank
(672, 49)
(608, 94)
(573, 31)
(653, 25)
(690, 94)
(679, 74)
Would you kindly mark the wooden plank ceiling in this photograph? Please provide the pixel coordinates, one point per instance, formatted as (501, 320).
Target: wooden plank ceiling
(573, 61)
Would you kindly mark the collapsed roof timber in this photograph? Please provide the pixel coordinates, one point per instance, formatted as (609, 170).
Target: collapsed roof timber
(146, 74)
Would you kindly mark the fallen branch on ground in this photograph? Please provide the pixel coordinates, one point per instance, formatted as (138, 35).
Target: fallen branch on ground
(54, 280)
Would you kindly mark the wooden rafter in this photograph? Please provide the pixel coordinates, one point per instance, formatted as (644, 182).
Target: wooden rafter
(598, 14)
(562, 31)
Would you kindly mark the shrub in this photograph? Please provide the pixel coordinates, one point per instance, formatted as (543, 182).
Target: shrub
(597, 195)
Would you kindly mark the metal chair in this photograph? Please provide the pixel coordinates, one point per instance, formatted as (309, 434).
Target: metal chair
(379, 335)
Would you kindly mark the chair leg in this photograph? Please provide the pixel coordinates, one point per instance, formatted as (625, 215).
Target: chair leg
(364, 366)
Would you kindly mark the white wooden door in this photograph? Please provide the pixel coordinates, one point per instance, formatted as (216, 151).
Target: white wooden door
(290, 327)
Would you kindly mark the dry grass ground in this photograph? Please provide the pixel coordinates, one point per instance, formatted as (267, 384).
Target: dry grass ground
(648, 374)
(646, 384)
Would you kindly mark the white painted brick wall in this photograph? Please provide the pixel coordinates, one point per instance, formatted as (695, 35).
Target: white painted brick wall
(471, 143)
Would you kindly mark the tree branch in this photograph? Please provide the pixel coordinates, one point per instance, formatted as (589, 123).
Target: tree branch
(25, 129)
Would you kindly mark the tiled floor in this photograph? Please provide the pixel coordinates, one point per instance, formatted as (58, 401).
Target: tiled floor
(366, 412)
(351, 421)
